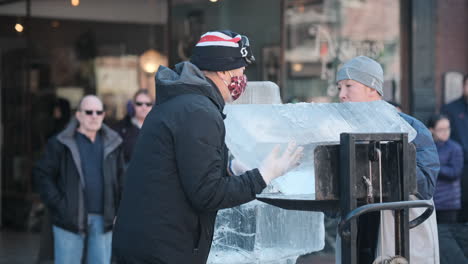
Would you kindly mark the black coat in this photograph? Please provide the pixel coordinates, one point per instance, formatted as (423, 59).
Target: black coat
(59, 180)
(129, 133)
(177, 179)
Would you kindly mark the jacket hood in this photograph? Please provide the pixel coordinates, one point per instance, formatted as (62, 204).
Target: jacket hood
(186, 78)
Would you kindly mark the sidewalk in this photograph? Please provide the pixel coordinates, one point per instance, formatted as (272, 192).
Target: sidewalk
(18, 247)
(22, 248)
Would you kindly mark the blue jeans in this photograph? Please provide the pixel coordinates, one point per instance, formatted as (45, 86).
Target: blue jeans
(69, 246)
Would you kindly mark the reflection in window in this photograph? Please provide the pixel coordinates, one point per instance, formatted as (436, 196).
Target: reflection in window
(321, 35)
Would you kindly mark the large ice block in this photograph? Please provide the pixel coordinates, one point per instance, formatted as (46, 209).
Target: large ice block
(260, 93)
(261, 233)
(253, 130)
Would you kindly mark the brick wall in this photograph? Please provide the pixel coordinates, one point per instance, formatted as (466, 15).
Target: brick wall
(451, 50)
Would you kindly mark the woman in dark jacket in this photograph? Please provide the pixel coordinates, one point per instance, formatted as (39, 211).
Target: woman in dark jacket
(447, 196)
(129, 127)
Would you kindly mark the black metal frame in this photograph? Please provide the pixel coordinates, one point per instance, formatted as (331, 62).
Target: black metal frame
(349, 180)
(398, 200)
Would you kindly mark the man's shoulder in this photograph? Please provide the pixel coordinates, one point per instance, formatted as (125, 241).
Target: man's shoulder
(453, 106)
(192, 99)
(110, 136)
(190, 104)
(413, 121)
(54, 145)
(54, 140)
(422, 131)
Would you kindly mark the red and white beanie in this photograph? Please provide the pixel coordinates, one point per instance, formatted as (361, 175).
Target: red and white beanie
(222, 51)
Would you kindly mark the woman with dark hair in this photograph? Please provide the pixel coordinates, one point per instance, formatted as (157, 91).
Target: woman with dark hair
(129, 127)
(447, 196)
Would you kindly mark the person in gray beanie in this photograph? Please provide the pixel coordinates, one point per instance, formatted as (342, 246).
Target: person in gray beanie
(179, 175)
(361, 80)
(364, 70)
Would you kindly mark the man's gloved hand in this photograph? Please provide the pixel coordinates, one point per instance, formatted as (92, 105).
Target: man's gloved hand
(237, 167)
(274, 166)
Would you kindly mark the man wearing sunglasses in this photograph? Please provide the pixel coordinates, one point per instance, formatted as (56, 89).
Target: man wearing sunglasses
(129, 127)
(178, 177)
(79, 178)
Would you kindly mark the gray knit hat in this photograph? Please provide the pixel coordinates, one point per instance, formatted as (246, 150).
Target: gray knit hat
(364, 70)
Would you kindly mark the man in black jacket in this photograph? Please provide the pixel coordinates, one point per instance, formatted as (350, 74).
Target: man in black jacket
(79, 179)
(178, 179)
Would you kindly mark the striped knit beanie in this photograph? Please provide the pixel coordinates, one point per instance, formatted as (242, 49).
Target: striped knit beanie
(222, 51)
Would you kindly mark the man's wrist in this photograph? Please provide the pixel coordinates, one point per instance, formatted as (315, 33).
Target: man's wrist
(264, 176)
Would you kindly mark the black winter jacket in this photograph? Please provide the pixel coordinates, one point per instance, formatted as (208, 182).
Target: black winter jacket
(177, 179)
(60, 181)
(129, 133)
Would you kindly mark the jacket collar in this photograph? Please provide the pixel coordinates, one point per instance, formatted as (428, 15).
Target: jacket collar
(110, 138)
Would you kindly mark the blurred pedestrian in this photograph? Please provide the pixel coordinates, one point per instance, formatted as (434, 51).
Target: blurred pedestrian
(61, 114)
(129, 127)
(79, 178)
(457, 113)
(447, 196)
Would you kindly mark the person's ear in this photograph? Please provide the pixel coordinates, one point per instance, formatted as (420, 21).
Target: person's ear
(222, 75)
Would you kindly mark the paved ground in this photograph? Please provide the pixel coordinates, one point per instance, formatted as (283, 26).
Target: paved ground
(320, 259)
(18, 247)
(22, 248)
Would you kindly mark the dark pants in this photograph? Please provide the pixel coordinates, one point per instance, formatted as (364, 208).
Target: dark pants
(446, 216)
(463, 214)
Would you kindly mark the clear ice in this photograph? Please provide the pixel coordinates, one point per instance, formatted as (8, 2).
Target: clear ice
(260, 233)
(253, 130)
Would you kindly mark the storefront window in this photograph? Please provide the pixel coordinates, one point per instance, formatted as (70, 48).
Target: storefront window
(54, 54)
(321, 35)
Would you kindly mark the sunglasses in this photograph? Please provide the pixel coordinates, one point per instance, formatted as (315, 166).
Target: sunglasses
(90, 112)
(141, 103)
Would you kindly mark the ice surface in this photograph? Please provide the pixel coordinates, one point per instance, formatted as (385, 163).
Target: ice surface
(253, 130)
(260, 93)
(260, 233)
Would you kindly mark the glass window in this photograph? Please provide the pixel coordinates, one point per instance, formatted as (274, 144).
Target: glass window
(321, 35)
(61, 51)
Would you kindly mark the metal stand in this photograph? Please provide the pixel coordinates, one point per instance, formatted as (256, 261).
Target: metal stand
(339, 171)
(400, 193)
